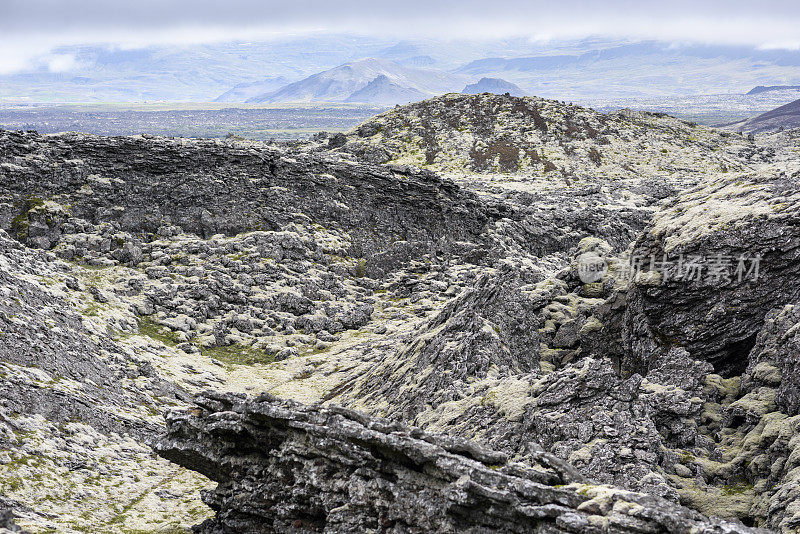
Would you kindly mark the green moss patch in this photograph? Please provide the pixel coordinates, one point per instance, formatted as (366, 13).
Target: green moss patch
(736, 489)
(21, 222)
(239, 355)
(151, 329)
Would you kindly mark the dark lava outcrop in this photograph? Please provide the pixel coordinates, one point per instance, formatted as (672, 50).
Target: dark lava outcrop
(713, 263)
(213, 187)
(284, 467)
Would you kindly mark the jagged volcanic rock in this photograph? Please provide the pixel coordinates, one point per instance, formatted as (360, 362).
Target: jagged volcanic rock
(210, 187)
(488, 329)
(348, 472)
(725, 254)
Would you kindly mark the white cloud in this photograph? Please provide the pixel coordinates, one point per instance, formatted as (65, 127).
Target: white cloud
(781, 45)
(61, 62)
(17, 55)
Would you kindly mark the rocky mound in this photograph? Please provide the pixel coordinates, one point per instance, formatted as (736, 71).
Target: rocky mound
(566, 169)
(488, 133)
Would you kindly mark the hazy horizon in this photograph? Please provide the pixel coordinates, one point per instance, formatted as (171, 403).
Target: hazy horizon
(33, 31)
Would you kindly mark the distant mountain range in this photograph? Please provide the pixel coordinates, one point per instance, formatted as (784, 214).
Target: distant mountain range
(639, 70)
(624, 71)
(369, 81)
(264, 71)
(372, 80)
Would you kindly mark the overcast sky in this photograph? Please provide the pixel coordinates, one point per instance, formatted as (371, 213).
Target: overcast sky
(30, 29)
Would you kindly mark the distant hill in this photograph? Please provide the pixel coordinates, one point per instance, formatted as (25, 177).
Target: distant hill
(782, 118)
(243, 91)
(382, 90)
(418, 61)
(767, 88)
(493, 85)
(521, 64)
(348, 82)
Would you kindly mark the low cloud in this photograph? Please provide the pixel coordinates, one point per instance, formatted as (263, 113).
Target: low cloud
(32, 29)
(61, 62)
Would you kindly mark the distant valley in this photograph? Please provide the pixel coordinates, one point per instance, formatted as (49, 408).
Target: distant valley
(264, 122)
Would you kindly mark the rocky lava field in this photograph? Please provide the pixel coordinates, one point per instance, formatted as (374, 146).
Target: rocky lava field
(393, 329)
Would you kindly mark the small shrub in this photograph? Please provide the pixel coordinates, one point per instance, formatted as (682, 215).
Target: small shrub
(361, 267)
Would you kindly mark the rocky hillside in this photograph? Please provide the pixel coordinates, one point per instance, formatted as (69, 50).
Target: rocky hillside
(786, 117)
(341, 340)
